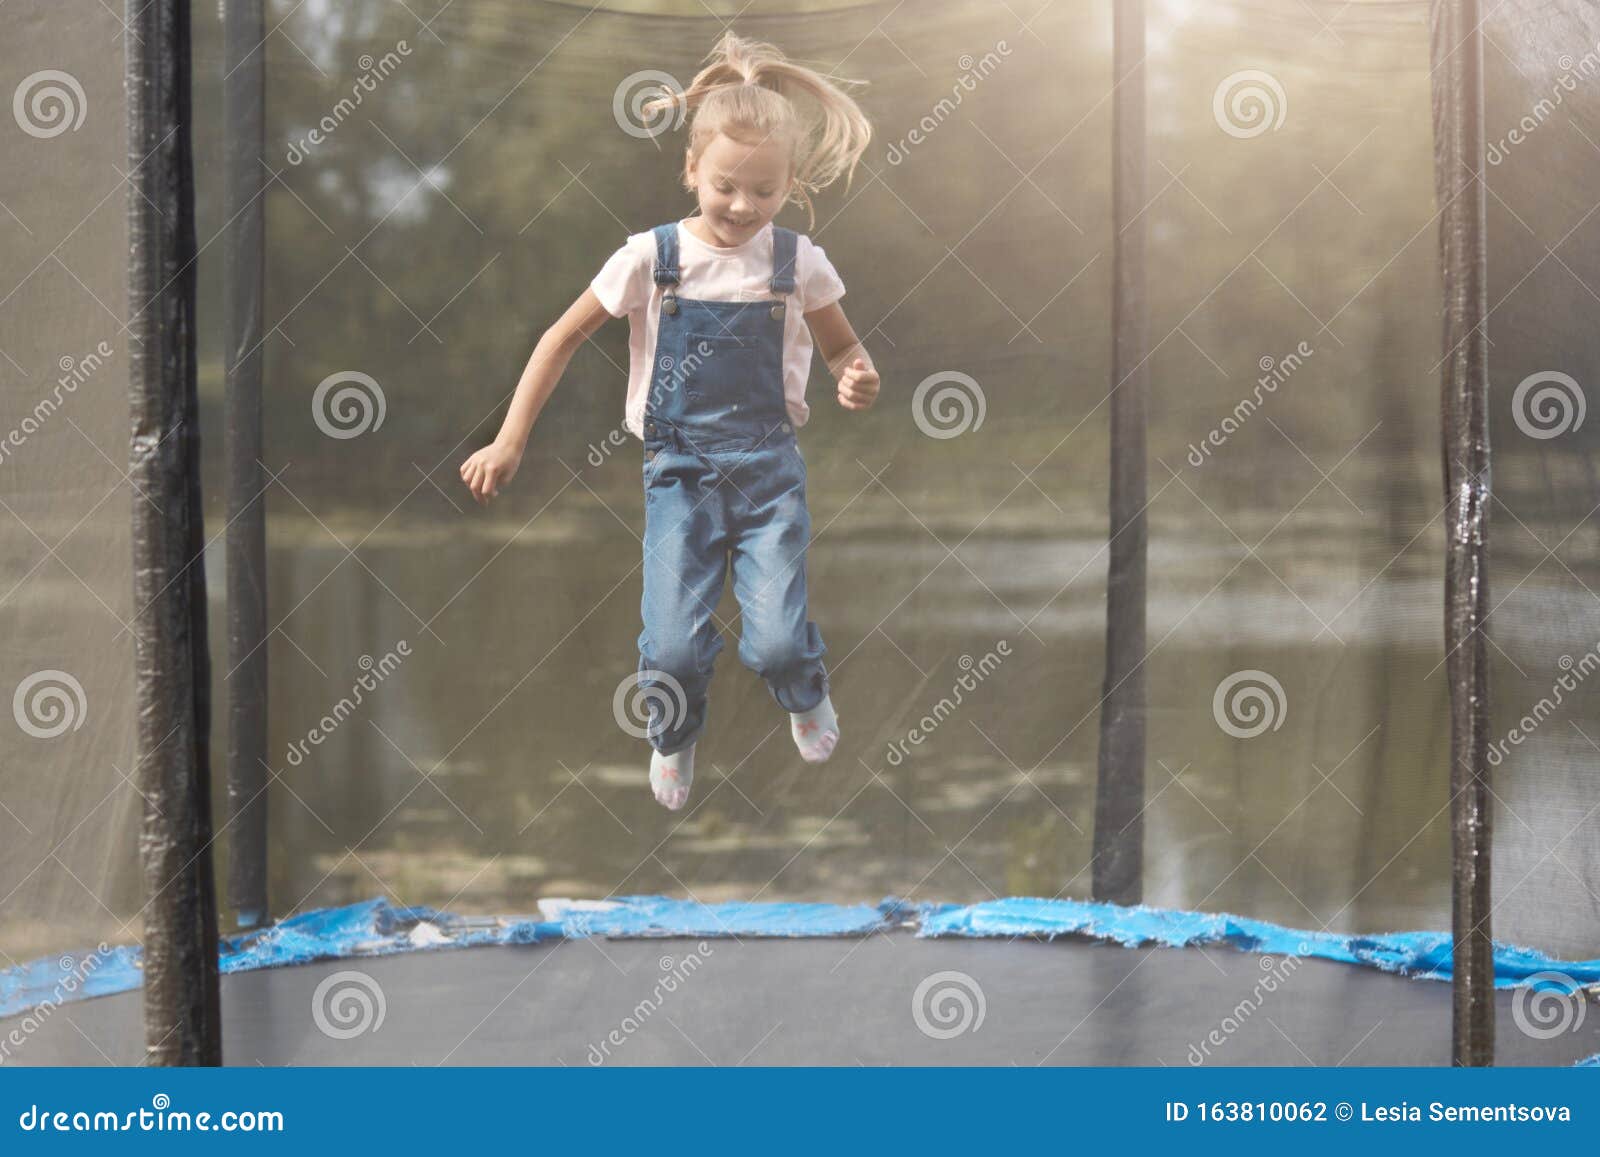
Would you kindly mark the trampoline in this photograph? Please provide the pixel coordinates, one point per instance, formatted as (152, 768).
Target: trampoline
(1207, 699)
(656, 981)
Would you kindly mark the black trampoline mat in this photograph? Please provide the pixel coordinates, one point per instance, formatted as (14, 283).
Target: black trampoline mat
(824, 1001)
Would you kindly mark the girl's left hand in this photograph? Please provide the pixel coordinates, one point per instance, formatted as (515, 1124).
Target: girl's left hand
(858, 386)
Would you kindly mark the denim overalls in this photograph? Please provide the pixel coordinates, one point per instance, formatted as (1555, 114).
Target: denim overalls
(724, 482)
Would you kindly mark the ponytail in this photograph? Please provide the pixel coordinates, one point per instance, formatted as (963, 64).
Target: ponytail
(750, 89)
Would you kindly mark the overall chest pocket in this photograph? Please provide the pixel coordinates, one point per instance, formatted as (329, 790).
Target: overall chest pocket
(720, 367)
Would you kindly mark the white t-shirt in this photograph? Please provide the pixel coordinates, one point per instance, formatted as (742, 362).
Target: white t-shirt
(626, 285)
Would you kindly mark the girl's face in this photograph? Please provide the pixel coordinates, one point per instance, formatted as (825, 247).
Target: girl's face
(741, 187)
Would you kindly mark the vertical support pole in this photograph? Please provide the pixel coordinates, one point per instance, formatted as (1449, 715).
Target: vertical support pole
(1119, 798)
(1458, 178)
(243, 254)
(183, 1023)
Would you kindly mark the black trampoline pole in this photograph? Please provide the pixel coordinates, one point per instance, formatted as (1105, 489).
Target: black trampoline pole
(172, 677)
(1119, 796)
(1458, 150)
(243, 254)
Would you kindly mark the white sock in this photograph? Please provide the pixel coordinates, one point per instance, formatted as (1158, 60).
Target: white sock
(816, 731)
(671, 776)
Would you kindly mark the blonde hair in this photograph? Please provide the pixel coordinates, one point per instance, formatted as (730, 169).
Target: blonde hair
(748, 92)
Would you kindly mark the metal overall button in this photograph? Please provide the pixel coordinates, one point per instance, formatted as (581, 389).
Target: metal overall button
(669, 304)
(777, 310)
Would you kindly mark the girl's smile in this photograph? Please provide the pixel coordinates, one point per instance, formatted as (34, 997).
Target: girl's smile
(740, 187)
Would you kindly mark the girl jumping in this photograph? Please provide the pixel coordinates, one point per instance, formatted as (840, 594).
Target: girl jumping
(722, 308)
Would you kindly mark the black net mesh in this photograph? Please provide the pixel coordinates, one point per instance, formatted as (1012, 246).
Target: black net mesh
(445, 179)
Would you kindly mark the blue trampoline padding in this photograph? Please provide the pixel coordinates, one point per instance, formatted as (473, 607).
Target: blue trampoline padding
(1422, 955)
(69, 976)
(377, 928)
(638, 916)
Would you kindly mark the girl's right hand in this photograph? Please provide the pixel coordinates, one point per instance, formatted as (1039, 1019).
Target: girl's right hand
(489, 469)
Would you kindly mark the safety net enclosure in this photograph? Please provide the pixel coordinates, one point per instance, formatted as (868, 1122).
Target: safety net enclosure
(1180, 261)
(68, 855)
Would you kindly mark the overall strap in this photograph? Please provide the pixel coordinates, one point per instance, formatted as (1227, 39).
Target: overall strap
(784, 243)
(666, 266)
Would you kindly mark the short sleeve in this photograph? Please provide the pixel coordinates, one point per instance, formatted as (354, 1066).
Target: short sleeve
(623, 283)
(819, 282)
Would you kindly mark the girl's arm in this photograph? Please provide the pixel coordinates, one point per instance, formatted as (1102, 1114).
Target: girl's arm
(847, 358)
(546, 365)
(496, 464)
